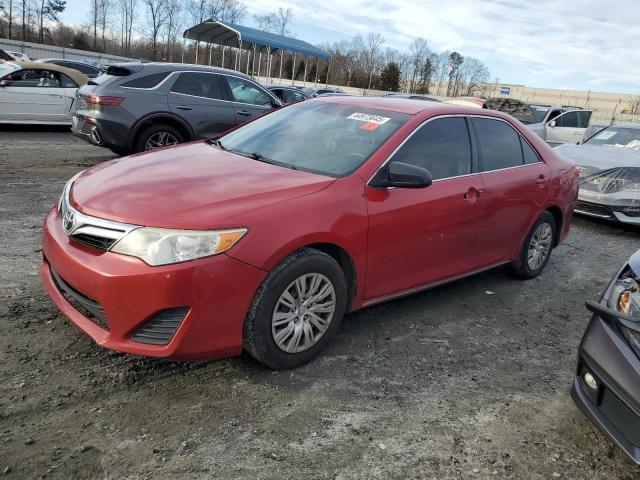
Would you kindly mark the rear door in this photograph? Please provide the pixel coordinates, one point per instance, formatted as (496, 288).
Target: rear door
(568, 127)
(516, 185)
(248, 99)
(421, 236)
(33, 95)
(200, 98)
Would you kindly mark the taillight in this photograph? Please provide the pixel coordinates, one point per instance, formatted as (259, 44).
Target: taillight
(103, 100)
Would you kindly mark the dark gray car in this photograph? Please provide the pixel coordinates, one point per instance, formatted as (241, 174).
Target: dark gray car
(607, 382)
(134, 107)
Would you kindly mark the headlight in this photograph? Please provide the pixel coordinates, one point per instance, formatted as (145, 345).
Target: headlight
(162, 246)
(633, 187)
(625, 298)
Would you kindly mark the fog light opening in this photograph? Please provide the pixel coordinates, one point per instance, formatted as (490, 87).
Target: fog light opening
(590, 381)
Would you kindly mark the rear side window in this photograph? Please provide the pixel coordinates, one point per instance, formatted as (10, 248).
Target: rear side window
(66, 82)
(530, 156)
(499, 144)
(441, 146)
(205, 85)
(290, 96)
(148, 81)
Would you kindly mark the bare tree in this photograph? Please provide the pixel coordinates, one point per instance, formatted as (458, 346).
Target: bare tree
(48, 10)
(157, 16)
(418, 51)
(174, 24)
(373, 53)
(128, 9)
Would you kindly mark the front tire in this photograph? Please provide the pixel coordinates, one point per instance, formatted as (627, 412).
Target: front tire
(296, 311)
(536, 248)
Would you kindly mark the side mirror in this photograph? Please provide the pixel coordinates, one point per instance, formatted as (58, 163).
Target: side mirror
(552, 123)
(401, 175)
(4, 83)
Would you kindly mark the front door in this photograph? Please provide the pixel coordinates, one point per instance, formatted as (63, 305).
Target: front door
(568, 127)
(422, 236)
(201, 100)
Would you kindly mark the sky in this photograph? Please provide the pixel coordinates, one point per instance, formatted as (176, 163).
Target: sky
(566, 44)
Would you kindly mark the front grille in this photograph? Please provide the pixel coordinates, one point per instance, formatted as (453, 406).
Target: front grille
(161, 328)
(86, 306)
(587, 208)
(95, 241)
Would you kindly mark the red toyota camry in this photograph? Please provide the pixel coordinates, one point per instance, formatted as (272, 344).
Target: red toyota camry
(265, 237)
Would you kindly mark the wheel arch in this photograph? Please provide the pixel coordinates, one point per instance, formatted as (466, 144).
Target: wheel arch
(559, 218)
(161, 117)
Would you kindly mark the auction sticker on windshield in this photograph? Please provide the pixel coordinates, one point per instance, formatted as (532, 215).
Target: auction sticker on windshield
(367, 117)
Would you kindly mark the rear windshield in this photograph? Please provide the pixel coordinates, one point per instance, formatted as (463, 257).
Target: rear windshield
(321, 137)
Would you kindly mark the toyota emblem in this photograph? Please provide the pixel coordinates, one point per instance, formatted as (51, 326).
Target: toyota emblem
(68, 221)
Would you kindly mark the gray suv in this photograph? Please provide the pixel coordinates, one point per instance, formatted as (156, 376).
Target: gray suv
(133, 107)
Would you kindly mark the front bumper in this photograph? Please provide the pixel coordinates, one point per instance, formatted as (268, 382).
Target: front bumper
(614, 406)
(621, 207)
(217, 291)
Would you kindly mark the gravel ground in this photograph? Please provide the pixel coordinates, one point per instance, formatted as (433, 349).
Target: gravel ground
(451, 383)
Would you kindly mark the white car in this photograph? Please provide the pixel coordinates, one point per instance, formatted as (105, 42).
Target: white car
(19, 56)
(37, 93)
(557, 125)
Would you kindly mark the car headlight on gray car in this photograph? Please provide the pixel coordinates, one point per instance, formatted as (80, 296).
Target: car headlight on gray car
(163, 246)
(625, 299)
(614, 180)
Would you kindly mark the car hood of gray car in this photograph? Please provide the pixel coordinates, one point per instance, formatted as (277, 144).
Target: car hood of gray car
(602, 157)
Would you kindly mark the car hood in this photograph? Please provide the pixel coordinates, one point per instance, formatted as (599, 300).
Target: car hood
(193, 186)
(600, 157)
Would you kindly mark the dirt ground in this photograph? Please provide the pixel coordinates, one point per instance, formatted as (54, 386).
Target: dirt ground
(451, 383)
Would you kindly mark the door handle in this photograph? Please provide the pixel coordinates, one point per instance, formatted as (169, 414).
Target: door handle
(472, 195)
(243, 112)
(183, 107)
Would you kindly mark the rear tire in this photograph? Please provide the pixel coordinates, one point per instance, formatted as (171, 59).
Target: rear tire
(157, 136)
(536, 249)
(271, 327)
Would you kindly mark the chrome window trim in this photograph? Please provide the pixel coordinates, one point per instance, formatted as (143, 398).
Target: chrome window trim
(454, 115)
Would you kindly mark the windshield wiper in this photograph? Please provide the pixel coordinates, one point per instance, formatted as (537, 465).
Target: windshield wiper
(219, 144)
(262, 158)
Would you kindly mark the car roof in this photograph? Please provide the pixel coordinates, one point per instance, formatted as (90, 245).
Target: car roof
(75, 75)
(410, 107)
(158, 67)
(45, 60)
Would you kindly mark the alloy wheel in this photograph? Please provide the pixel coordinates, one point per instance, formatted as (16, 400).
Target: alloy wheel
(160, 140)
(539, 246)
(303, 313)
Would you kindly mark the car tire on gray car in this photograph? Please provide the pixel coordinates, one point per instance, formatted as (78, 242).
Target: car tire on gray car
(297, 310)
(536, 248)
(157, 136)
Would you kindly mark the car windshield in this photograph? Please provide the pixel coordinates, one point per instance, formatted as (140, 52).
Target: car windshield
(617, 137)
(6, 68)
(321, 137)
(539, 113)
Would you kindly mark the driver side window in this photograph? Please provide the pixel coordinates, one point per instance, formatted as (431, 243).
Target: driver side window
(34, 78)
(245, 92)
(442, 146)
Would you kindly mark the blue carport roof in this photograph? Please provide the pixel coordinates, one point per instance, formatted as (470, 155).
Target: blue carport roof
(228, 34)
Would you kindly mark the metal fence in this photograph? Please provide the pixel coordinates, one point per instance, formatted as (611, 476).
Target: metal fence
(38, 50)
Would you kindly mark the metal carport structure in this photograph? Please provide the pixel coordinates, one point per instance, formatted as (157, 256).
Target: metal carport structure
(240, 38)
